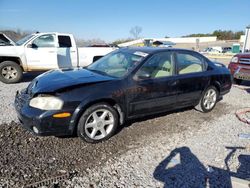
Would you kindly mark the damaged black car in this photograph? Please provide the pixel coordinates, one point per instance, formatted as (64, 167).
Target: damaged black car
(125, 84)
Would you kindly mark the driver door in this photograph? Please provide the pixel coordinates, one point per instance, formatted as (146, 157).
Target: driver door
(154, 87)
(41, 53)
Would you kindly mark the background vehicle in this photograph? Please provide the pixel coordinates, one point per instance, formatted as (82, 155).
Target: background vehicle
(125, 84)
(42, 52)
(240, 67)
(226, 49)
(5, 41)
(214, 49)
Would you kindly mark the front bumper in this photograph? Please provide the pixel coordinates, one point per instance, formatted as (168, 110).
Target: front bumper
(242, 75)
(239, 71)
(40, 122)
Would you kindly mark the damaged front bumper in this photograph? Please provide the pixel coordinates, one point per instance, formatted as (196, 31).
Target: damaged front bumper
(40, 122)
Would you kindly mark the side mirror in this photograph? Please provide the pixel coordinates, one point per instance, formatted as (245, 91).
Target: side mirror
(141, 75)
(32, 46)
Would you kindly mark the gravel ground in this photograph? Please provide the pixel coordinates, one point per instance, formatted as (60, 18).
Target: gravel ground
(7, 95)
(195, 156)
(184, 148)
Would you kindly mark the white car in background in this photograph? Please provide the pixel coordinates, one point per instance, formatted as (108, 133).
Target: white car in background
(214, 49)
(42, 52)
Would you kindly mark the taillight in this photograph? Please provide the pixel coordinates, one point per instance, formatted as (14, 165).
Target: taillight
(235, 59)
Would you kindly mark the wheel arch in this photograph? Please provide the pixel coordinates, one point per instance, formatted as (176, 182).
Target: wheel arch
(17, 60)
(83, 106)
(217, 85)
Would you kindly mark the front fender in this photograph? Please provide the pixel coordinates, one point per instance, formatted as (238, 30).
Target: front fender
(87, 102)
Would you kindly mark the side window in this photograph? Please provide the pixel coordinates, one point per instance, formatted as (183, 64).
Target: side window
(44, 41)
(159, 65)
(64, 41)
(188, 63)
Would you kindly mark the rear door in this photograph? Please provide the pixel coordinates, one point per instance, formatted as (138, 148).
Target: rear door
(192, 77)
(66, 52)
(157, 91)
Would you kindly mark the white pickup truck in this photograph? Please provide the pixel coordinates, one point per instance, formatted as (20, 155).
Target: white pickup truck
(42, 52)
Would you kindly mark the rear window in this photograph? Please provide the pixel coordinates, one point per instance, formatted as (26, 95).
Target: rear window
(64, 41)
(188, 63)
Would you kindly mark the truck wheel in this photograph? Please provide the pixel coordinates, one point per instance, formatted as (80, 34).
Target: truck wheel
(98, 123)
(10, 72)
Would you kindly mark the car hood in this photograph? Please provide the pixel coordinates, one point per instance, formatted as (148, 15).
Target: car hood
(5, 41)
(59, 80)
(244, 55)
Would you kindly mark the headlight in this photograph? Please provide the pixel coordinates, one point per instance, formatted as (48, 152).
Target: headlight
(235, 59)
(46, 103)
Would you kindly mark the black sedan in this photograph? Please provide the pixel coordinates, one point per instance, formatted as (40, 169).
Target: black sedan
(125, 84)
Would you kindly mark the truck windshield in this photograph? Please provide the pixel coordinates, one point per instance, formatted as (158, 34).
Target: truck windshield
(116, 64)
(23, 40)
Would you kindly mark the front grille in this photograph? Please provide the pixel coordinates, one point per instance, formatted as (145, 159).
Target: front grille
(21, 99)
(244, 70)
(245, 61)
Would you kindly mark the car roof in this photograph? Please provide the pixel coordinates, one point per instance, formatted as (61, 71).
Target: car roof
(151, 50)
(46, 33)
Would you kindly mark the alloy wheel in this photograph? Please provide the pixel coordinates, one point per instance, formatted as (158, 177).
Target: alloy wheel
(209, 99)
(9, 72)
(99, 124)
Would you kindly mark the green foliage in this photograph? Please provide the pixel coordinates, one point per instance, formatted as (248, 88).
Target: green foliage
(221, 34)
(227, 34)
(198, 35)
(119, 41)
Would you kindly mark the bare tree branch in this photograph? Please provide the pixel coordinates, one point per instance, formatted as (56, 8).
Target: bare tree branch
(136, 31)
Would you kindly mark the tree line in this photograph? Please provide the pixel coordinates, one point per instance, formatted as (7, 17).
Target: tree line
(220, 34)
(135, 33)
(16, 35)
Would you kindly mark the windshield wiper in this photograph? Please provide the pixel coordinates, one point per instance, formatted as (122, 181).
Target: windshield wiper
(98, 71)
(101, 72)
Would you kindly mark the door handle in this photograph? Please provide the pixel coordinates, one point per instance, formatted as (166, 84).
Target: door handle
(73, 51)
(51, 51)
(174, 83)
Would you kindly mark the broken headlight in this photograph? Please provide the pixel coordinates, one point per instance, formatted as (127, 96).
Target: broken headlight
(46, 103)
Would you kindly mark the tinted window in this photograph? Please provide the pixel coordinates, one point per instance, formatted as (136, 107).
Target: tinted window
(188, 63)
(44, 41)
(159, 65)
(64, 41)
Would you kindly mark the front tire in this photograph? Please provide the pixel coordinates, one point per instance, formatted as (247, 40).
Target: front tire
(98, 123)
(208, 100)
(10, 72)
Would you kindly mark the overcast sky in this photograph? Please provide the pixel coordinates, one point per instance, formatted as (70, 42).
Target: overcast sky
(113, 19)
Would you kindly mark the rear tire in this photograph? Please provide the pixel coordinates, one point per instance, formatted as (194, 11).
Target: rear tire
(208, 100)
(98, 123)
(10, 72)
